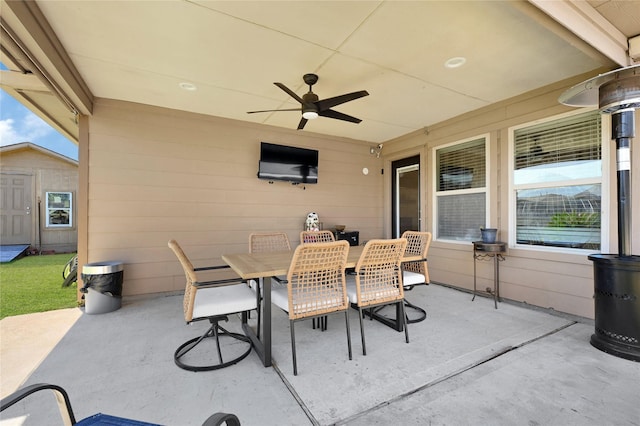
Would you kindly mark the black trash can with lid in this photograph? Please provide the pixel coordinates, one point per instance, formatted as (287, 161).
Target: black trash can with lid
(102, 286)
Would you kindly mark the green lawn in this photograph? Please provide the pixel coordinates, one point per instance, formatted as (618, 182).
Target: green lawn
(34, 284)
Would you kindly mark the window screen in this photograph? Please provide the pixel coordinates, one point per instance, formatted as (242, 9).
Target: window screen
(59, 209)
(461, 190)
(552, 207)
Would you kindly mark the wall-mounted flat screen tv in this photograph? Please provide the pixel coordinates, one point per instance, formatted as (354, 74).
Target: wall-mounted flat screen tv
(288, 163)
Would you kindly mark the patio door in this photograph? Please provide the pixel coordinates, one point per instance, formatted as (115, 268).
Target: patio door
(405, 193)
(15, 209)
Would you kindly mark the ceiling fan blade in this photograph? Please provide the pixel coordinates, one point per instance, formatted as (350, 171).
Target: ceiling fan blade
(325, 104)
(338, 115)
(290, 92)
(271, 110)
(303, 121)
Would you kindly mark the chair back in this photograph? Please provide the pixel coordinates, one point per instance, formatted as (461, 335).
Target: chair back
(418, 245)
(190, 274)
(317, 279)
(316, 237)
(268, 241)
(379, 276)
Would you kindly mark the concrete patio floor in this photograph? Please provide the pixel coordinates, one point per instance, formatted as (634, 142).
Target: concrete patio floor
(467, 363)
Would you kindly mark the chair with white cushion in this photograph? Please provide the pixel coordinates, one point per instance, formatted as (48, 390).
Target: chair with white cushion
(378, 280)
(316, 286)
(416, 273)
(213, 301)
(307, 237)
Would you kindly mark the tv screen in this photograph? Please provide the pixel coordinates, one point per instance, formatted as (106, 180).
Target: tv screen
(288, 163)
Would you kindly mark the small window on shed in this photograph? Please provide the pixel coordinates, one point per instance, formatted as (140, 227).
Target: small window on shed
(59, 209)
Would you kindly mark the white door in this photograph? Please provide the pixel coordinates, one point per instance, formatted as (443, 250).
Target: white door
(15, 209)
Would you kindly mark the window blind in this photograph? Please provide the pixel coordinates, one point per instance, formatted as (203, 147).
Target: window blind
(575, 138)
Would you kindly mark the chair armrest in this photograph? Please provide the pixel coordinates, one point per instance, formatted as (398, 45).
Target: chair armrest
(217, 283)
(209, 268)
(218, 419)
(424, 259)
(62, 398)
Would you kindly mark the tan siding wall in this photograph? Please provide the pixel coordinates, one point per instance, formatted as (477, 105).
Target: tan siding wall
(561, 281)
(49, 174)
(157, 174)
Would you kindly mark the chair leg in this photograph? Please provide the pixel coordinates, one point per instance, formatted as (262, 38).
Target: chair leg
(215, 331)
(364, 345)
(346, 315)
(258, 311)
(217, 337)
(404, 320)
(293, 348)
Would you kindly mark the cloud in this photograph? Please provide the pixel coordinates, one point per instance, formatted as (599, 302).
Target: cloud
(27, 128)
(8, 135)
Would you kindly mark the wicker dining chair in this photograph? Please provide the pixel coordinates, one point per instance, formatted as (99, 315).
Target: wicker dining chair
(378, 279)
(316, 237)
(416, 273)
(268, 241)
(213, 301)
(262, 242)
(316, 287)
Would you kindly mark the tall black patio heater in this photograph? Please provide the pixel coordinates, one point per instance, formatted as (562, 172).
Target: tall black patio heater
(616, 277)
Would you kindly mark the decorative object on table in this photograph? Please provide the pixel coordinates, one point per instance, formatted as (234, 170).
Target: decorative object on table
(341, 228)
(489, 235)
(213, 301)
(352, 236)
(378, 280)
(313, 222)
(316, 287)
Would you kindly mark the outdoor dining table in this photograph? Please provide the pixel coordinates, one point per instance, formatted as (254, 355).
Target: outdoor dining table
(266, 265)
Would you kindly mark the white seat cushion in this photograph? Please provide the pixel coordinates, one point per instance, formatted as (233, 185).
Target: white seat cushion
(280, 298)
(223, 300)
(412, 278)
(352, 293)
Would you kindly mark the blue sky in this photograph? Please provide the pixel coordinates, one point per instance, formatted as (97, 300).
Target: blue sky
(18, 124)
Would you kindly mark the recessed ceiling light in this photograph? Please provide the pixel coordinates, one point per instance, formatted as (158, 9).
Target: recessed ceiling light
(456, 62)
(188, 86)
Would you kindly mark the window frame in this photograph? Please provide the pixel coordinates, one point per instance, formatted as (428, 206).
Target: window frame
(603, 180)
(48, 209)
(485, 190)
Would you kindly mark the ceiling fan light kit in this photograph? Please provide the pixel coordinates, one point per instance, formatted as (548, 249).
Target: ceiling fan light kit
(312, 107)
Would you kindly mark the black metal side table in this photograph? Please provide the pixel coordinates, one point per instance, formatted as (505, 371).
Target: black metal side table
(482, 250)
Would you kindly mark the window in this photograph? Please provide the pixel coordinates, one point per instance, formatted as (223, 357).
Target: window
(59, 210)
(557, 177)
(461, 190)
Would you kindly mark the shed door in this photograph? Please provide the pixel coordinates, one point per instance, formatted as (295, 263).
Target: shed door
(15, 209)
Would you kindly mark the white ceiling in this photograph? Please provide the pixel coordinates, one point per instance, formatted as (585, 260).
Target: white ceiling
(233, 52)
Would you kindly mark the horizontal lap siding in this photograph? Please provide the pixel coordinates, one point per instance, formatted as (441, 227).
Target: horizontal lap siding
(157, 174)
(545, 278)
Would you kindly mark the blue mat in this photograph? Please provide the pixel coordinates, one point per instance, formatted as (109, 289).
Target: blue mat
(8, 253)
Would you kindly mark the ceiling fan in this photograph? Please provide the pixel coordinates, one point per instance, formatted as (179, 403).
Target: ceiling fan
(311, 107)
